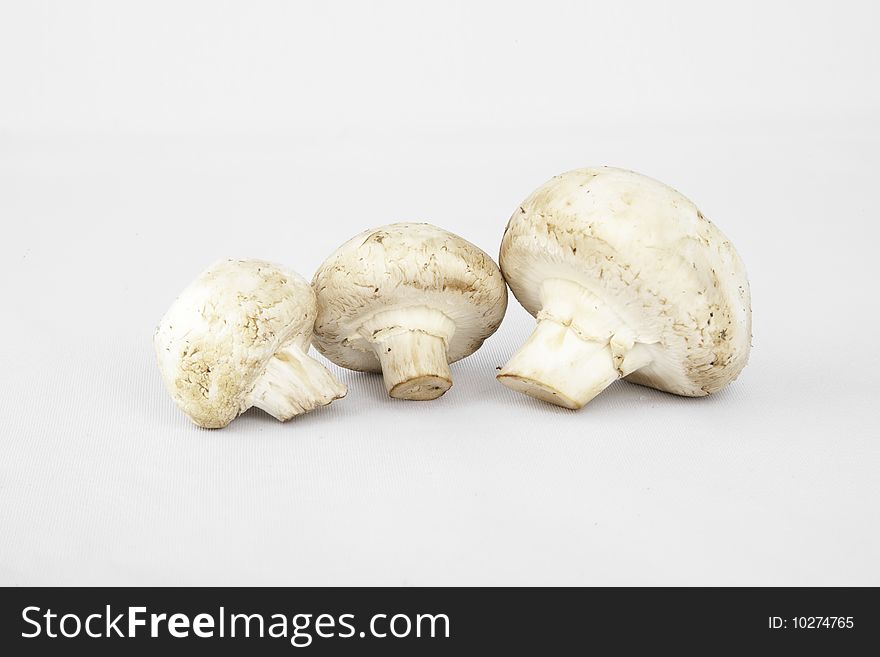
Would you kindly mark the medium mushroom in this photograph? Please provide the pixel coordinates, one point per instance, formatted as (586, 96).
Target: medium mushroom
(626, 278)
(238, 336)
(406, 300)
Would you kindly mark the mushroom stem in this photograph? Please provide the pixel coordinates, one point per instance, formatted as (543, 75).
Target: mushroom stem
(558, 366)
(414, 364)
(578, 349)
(293, 383)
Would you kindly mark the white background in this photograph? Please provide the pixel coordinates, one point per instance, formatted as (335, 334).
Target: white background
(141, 141)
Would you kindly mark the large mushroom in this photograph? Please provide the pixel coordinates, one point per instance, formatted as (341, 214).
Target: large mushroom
(406, 300)
(238, 336)
(626, 278)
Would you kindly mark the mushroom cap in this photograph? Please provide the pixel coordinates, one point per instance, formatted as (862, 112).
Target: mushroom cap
(651, 256)
(402, 266)
(217, 337)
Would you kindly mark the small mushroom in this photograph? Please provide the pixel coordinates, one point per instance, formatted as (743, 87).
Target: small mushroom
(626, 278)
(406, 300)
(238, 336)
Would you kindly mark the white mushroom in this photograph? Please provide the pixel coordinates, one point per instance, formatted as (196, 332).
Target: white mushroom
(238, 336)
(627, 278)
(407, 300)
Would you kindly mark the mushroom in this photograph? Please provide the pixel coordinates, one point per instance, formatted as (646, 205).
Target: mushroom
(406, 300)
(626, 278)
(238, 336)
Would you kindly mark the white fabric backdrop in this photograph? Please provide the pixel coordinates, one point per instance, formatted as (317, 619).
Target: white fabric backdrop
(137, 146)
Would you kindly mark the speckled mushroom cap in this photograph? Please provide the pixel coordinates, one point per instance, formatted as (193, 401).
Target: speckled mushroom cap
(651, 257)
(399, 266)
(216, 339)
